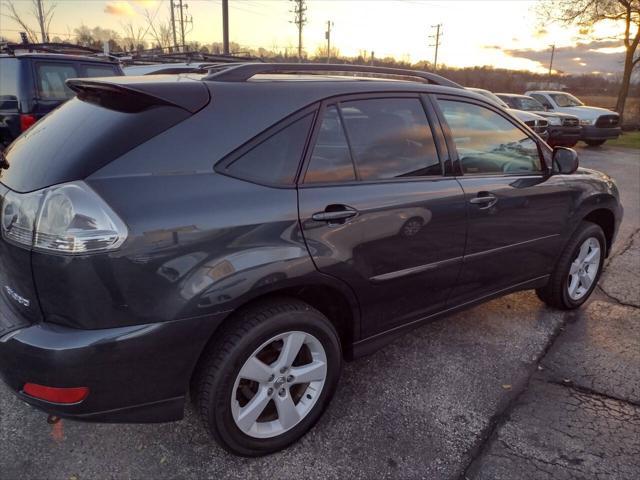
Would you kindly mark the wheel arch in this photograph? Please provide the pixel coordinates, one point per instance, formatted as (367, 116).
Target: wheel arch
(605, 219)
(334, 300)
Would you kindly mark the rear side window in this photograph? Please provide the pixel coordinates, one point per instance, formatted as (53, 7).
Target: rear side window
(331, 159)
(487, 143)
(51, 79)
(8, 83)
(275, 160)
(99, 71)
(390, 138)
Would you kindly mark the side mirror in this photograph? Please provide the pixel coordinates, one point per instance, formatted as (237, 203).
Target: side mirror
(565, 160)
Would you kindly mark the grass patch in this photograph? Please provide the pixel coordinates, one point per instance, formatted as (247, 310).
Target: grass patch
(626, 140)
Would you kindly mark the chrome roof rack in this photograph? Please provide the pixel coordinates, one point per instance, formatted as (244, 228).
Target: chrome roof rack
(244, 71)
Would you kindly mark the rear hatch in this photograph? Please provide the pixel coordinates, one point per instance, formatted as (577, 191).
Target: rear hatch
(107, 119)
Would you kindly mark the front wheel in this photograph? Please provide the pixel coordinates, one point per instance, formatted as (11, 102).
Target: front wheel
(578, 269)
(269, 377)
(594, 143)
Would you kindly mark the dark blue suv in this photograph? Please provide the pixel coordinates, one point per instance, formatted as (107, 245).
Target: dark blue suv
(33, 84)
(238, 234)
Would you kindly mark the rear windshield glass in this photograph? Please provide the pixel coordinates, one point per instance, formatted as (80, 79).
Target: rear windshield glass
(78, 138)
(99, 71)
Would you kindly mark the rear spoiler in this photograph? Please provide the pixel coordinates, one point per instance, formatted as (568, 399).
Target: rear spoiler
(137, 94)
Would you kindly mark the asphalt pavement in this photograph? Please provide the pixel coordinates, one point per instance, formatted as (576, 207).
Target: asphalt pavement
(510, 389)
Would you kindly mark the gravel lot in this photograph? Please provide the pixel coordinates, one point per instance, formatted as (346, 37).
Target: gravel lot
(510, 389)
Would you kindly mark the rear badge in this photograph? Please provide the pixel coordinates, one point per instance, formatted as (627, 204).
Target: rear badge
(14, 296)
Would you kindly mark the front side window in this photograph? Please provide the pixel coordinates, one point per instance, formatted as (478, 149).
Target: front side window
(390, 138)
(487, 143)
(565, 100)
(51, 80)
(276, 159)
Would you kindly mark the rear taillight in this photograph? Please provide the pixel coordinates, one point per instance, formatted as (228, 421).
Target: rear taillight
(26, 121)
(56, 394)
(69, 218)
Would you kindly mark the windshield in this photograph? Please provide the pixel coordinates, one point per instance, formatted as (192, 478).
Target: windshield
(529, 104)
(495, 98)
(566, 100)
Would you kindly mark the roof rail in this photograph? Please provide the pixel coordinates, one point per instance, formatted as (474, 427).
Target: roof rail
(52, 47)
(153, 56)
(244, 71)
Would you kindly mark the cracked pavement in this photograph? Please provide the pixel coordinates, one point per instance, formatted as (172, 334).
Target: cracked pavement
(507, 390)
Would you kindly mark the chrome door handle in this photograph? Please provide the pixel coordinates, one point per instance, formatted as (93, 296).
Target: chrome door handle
(335, 214)
(484, 201)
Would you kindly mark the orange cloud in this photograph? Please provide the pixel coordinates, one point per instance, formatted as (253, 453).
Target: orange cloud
(119, 8)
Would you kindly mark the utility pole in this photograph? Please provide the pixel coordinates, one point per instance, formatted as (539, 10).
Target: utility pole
(300, 20)
(328, 37)
(181, 24)
(553, 51)
(373, 54)
(436, 43)
(225, 27)
(173, 23)
(41, 21)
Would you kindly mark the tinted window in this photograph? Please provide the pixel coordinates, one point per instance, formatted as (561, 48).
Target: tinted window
(487, 142)
(390, 138)
(51, 78)
(8, 83)
(99, 71)
(542, 99)
(276, 159)
(331, 159)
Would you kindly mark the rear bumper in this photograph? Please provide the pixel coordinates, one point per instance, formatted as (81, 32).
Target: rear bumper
(134, 374)
(564, 135)
(591, 132)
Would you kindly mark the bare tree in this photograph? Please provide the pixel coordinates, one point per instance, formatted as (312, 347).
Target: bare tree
(134, 36)
(160, 31)
(40, 11)
(586, 13)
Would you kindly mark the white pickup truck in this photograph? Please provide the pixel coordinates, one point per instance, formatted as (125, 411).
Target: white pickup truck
(598, 124)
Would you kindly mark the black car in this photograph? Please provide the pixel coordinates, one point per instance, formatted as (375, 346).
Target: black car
(238, 234)
(33, 84)
(563, 129)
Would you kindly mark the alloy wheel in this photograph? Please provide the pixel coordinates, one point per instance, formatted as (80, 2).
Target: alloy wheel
(279, 384)
(584, 269)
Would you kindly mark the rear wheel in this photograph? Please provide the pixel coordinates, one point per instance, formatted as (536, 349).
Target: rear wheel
(578, 269)
(594, 143)
(269, 377)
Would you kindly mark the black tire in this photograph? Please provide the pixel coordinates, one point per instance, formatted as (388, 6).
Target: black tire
(594, 143)
(245, 333)
(555, 293)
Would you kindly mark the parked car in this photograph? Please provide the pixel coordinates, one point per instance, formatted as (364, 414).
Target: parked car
(239, 234)
(564, 129)
(537, 123)
(598, 124)
(33, 84)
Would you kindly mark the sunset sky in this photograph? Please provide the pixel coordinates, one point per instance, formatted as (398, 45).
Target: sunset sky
(504, 34)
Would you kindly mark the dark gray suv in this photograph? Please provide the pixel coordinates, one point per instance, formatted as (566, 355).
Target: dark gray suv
(236, 235)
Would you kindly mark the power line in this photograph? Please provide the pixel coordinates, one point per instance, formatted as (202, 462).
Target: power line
(300, 20)
(436, 43)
